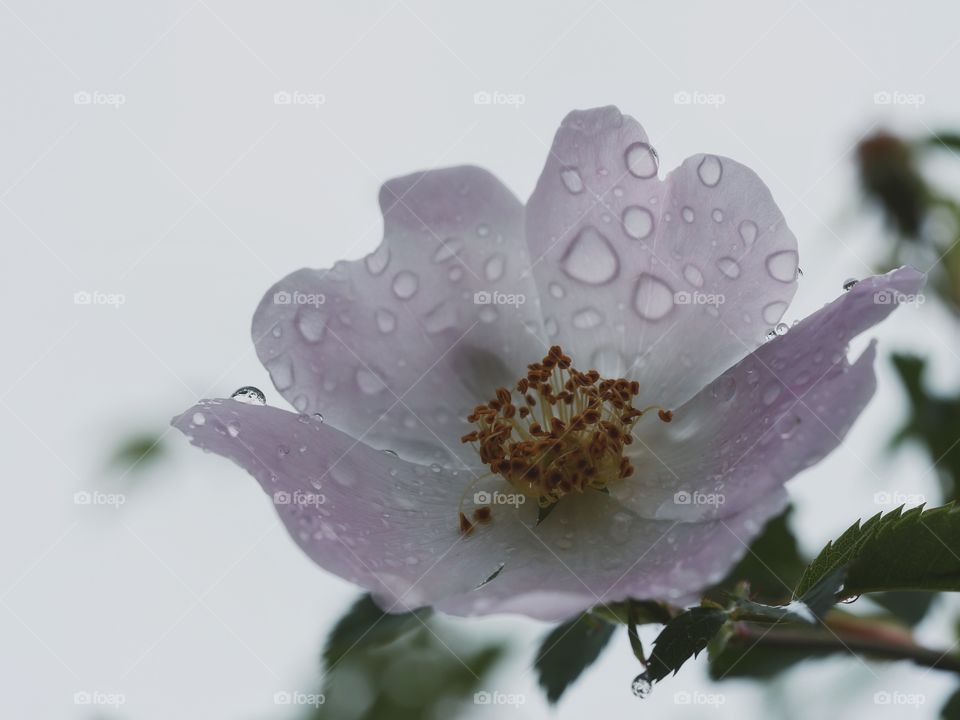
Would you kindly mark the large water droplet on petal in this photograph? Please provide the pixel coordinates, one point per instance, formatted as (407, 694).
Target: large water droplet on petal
(281, 372)
(653, 298)
(692, 274)
(849, 283)
(710, 170)
(637, 222)
(641, 159)
(311, 323)
(774, 311)
(250, 395)
(571, 179)
(386, 321)
(368, 382)
(378, 260)
(591, 258)
(782, 265)
(587, 319)
(405, 284)
(446, 250)
(729, 267)
(495, 267)
(748, 231)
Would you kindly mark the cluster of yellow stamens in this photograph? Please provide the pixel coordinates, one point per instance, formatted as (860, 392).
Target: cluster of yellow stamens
(566, 433)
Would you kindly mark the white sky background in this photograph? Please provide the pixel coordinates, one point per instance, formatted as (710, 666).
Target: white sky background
(199, 192)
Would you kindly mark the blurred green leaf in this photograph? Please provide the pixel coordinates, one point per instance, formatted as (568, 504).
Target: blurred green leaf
(951, 708)
(773, 564)
(908, 607)
(568, 650)
(366, 626)
(138, 451)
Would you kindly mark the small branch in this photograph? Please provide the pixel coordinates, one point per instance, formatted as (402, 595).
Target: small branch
(841, 638)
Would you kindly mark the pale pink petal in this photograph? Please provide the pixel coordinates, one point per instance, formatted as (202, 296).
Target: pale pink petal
(393, 348)
(669, 281)
(778, 411)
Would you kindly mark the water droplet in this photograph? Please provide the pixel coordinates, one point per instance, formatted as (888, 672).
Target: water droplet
(455, 274)
(378, 260)
(318, 417)
(405, 284)
(692, 274)
(849, 283)
(198, 418)
(748, 231)
(787, 425)
(771, 393)
(609, 362)
(710, 170)
(641, 159)
(729, 267)
(687, 214)
(717, 215)
(495, 267)
(587, 319)
(391, 453)
(446, 250)
(591, 258)
(277, 331)
(488, 314)
(653, 298)
(368, 382)
(386, 321)
(641, 686)
(571, 179)
(557, 291)
(281, 372)
(250, 395)
(312, 324)
(233, 429)
(782, 328)
(483, 230)
(725, 388)
(782, 265)
(637, 222)
(773, 312)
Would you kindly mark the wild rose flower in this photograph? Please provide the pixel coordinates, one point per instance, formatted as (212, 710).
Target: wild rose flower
(536, 409)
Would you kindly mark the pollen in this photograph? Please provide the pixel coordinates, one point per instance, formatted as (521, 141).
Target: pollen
(559, 431)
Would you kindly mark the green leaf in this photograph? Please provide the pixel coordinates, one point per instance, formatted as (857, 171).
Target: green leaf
(738, 657)
(366, 626)
(911, 550)
(644, 612)
(908, 607)
(568, 650)
(682, 638)
(951, 708)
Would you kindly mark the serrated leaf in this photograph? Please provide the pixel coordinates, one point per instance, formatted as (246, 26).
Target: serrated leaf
(913, 550)
(365, 626)
(682, 638)
(568, 650)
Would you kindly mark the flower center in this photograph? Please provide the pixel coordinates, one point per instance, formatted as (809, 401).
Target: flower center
(565, 433)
